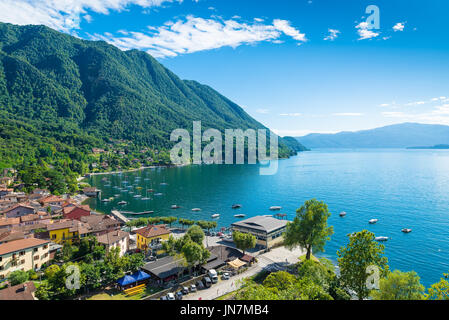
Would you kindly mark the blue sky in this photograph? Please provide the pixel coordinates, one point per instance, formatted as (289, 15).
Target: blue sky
(297, 66)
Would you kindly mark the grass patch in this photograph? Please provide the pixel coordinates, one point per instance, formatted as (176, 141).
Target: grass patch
(312, 257)
(119, 295)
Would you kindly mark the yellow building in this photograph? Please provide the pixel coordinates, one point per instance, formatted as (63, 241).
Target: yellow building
(151, 236)
(67, 231)
(25, 254)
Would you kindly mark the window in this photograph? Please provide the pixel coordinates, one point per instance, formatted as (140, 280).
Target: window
(35, 249)
(46, 246)
(22, 262)
(36, 258)
(53, 236)
(1, 268)
(22, 253)
(1, 258)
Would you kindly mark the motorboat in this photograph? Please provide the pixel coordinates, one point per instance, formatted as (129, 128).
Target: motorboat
(137, 196)
(275, 208)
(215, 215)
(196, 209)
(381, 238)
(342, 214)
(158, 194)
(106, 200)
(405, 230)
(240, 216)
(145, 199)
(373, 221)
(175, 206)
(236, 206)
(122, 203)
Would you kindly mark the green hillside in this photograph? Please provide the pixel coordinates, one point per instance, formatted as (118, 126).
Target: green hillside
(60, 96)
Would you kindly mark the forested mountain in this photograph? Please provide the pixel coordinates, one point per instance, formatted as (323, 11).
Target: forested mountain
(395, 136)
(61, 96)
(294, 144)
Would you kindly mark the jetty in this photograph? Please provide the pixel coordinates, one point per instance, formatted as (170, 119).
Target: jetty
(119, 216)
(136, 213)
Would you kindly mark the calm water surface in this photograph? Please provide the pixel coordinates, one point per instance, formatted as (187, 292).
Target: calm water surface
(401, 188)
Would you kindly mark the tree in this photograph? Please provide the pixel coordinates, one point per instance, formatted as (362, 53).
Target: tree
(399, 285)
(196, 234)
(439, 290)
(309, 228)
(194, 253)
(356, 259)
(18, 277)
(280, 280)
(244, 241)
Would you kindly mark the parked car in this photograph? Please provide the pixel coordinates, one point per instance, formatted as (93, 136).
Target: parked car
(193, 288)
(178, 295)
(212, 274)
(207, 282)
(152, 258)
(171, 296)
(185, 290)
(199, 285)
(164, 298)
(225, 276)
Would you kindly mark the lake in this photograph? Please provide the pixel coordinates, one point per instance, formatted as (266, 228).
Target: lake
(401, 188)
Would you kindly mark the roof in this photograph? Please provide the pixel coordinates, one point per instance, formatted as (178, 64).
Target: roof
(72, 225)
(237, 263)
(22, 244)
(11, 235)
(247, 258)
(51, 198)
(22, 291)
(124, 281)
(225, 253)
(152, 231)
(262, 223)
(9, 221)
(214, 264)
(17, 206)
(112, 237)
(100, 222)
(164, 267)
(140, 275)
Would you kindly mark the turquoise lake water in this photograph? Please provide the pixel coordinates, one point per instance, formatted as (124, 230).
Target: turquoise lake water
(401, 188)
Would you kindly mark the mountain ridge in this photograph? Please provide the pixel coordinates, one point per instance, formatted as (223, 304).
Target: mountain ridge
(403, 135)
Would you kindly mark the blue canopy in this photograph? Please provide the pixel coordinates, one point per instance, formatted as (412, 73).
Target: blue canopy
(126, 280)
(140, 275)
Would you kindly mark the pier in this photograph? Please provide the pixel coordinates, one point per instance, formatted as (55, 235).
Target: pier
(119, 216)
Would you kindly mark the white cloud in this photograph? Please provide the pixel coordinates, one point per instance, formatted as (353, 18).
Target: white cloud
(348, 114)
(64, 15)
(290, 114)
(437, 115)
(399, 26)
(194, 34)
(333, 34)
(364, 32)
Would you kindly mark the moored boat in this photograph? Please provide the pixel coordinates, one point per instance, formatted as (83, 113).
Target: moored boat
(381, 238)
(215, 215)
(122, 203)
(236, 206)
(342, 214)
(373, 221)
(240, 216)
(175, 206)
(406, 230)
(275, 208)
(196, 209)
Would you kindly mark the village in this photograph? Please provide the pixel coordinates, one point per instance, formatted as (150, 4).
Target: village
(42, 234)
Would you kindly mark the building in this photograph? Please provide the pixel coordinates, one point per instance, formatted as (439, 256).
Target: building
(166, 269)
(76, 212)
(68, 231)
(19, 210)
(91, 192)
(268, 230)
(8, 223)
(101, 224)
(115, 239)
(151, 235)
(24, 254)
(24, 291)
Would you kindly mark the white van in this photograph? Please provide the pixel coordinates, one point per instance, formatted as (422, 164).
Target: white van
(213, 275)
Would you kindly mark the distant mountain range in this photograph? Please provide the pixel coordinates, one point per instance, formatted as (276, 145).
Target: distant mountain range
(405, 135)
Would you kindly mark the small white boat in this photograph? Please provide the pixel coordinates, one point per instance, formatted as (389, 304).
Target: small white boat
(122, 203)
(215, 215)
(196, 209)
(175, 206)
(158, 194)
(381, 238)
(145, 199)
(275, 208)
(236, 206)
(240, 216)
(342, 214)
(137, 196)
(373, 221)
(405, 230)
